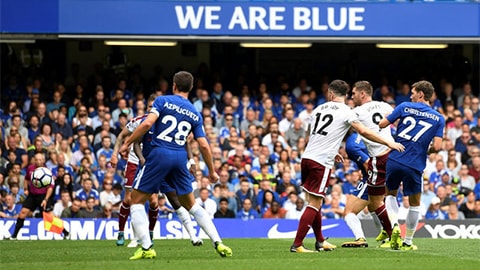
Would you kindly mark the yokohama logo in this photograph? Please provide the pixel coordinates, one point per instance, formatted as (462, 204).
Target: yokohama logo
(450, 231)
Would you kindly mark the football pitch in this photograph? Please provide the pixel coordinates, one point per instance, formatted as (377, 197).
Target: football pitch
(248, 254)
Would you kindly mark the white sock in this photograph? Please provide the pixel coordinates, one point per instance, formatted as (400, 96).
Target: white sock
(376, 220)
(184, 216)
(412, 222)
(392, 209)
(205, 222)
(139, 220)
(355, 225)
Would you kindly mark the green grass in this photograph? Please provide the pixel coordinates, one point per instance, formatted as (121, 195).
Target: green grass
(248, 254)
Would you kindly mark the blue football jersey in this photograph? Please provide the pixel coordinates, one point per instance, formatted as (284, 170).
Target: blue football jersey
(357, 151)
(177, 117)
(418, 125)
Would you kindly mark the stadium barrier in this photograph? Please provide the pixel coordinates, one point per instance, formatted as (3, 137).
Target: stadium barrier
(106, 229)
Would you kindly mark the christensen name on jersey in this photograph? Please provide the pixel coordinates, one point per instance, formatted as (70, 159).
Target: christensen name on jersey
(423, 114)
(180, 110)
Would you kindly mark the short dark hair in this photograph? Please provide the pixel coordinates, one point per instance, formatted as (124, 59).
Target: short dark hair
(183, 81)
(117, 186)
(425, 87)
(338, 87)
(223, 199)
(364, 86)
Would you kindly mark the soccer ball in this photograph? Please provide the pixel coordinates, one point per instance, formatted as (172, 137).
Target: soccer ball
(42, 177)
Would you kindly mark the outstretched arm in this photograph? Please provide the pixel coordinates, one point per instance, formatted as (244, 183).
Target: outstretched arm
(138, 133)
(121, 137)
(373, 136)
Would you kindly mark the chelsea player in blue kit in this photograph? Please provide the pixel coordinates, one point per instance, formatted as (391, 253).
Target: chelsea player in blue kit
(171, 119)
(418, 124)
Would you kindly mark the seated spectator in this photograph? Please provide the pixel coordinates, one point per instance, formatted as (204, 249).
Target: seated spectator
(247, 212)
(165, 210)
(297, 211)
(434, 212)
(11, 209)
(86, 192)
(224, 211)
(63, 203)
(468, 207)
(245, 192)
(207, 203)
(107, 212)
(454, 213)
(333, 209)
(275, 211)
(74, 210)
(89, 211)
(221, 191)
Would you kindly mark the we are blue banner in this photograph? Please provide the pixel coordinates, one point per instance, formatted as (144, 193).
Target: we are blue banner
(241, 18)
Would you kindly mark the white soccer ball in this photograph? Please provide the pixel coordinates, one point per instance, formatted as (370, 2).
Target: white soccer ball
(42, 177)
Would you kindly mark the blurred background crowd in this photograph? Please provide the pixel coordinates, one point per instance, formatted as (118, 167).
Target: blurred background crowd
(256, 126)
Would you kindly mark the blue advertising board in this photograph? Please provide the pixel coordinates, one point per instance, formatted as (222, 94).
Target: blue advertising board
(107, 229)
(98, 229)
(241, 18)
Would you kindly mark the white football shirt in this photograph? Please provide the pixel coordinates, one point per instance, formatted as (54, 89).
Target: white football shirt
(329, 123)
(370, 114)
(131, 126)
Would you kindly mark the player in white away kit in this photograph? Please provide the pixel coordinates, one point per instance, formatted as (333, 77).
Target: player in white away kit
(327, 126)
(370, 113)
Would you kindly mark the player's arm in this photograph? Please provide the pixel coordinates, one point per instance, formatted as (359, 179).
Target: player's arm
(436, 145)
(138, 151)
(384, 123)
(307, 134)
(118, 143)
(373, 136)
(139, 131)
(191, 162)
(47, 197)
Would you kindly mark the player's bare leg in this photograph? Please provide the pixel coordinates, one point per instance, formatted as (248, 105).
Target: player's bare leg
(184, 216)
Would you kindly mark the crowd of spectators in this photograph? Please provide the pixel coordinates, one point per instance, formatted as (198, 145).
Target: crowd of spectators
(257, 134)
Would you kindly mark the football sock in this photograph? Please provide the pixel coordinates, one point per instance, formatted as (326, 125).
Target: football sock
(18, 226)
(354, 224)
(306, 220)
(411, 222)
(384, 220)
(317, 227)
(376, 220)
(184, 216)
(152, 218)
(205, 222)
(140, 227)
(123, 216)
(392, 209)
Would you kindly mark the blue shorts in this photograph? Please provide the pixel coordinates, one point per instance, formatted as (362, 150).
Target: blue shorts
(361, 190)
(411, 178)
(165, 171)
(164, 187)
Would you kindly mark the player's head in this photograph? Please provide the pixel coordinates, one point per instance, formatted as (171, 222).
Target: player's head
(360, 91)
(183, 81)
(338, 88)
(39, 159)
(422, 90)
(150, 101)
